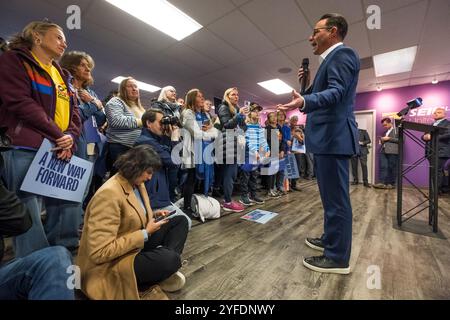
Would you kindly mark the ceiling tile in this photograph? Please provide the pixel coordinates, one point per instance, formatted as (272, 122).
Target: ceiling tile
(192, 58)
(351, 10)
(210, 45)
(398, 33)
(204, 12)
(357, 39)
(389, 5)
(237, 30)
(287, 23)
(300, 50)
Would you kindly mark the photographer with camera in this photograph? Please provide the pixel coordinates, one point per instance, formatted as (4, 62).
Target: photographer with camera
(167, 102)
(162, 134)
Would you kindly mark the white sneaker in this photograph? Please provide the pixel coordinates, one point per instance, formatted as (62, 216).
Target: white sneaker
(173, 283)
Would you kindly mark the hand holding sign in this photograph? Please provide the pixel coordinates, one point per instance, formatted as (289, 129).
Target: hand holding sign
(64, 155)
(51, 177)
(65, 142)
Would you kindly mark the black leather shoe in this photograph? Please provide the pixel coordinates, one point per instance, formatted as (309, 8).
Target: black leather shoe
(315, 243)
(295, 188)
(325, 265)
(354, 183)
(366, 184)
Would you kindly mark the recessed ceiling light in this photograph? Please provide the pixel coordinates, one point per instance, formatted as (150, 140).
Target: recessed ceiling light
(141, 85)
(379, 88)
(276, 86)
(395, 61)
(161, 15)
(435, 81)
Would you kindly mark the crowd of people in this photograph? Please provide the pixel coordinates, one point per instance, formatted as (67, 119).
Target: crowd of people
(144, 157)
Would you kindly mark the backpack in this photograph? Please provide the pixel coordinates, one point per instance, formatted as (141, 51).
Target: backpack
(205, 207)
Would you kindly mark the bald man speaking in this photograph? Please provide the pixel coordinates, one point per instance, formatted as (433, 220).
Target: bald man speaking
(440, 120)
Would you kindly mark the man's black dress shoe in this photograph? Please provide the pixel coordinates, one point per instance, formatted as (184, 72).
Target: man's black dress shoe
(325, 265)
(354, 183)
(315, 243)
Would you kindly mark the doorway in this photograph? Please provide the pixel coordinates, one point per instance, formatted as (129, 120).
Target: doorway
(367, 120)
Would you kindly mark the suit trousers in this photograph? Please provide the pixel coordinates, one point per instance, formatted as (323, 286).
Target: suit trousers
(363, 160)
(332, 172)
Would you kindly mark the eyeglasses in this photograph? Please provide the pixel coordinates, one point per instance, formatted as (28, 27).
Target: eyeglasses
(317, 30)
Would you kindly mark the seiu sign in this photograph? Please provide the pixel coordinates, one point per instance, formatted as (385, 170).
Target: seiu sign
(425, 111)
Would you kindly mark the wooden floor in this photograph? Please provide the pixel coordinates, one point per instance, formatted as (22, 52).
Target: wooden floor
(231, 258)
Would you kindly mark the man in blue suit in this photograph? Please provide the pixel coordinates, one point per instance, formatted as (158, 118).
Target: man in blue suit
(332, 136)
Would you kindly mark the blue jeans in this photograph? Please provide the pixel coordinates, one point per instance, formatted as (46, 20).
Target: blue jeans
(388, 168)
(280, 180)
(229, 175)
(41, 275)
(63, 217)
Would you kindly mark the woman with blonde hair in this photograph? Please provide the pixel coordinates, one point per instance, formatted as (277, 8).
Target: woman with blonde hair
(124, 114)
(37, 103)
(232, 121)
(167, 102)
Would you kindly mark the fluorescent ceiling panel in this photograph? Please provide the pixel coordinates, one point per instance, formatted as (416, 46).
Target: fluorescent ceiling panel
(276, 86)
(141, 85)
(395, 61)
(161, 15)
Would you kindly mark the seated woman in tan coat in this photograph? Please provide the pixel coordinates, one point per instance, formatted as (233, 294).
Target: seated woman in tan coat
(122, 246)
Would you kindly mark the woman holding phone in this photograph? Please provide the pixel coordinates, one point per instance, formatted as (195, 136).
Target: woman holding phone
(232, 122)
(122, 246)
(199, 130)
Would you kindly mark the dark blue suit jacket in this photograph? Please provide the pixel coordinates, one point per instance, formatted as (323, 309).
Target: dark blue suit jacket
(330, 125)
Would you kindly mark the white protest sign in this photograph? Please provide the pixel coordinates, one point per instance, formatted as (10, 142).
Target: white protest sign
(50, 177)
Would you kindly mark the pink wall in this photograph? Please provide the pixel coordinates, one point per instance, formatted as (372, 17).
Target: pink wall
(395, 100)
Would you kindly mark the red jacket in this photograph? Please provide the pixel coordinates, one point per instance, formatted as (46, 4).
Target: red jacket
(28, 101)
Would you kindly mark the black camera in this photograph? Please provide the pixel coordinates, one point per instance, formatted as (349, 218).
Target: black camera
(170, 120)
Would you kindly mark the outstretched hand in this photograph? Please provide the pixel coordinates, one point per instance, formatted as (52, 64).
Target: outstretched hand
(297, 102)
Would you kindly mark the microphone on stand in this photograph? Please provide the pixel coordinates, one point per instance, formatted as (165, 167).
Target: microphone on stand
(303, 81)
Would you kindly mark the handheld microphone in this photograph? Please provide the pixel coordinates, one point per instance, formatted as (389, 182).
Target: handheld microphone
(305, 66)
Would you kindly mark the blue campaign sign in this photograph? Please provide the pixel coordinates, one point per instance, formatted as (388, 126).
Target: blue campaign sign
(291, 169)
(50, 177)
(90, 131)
